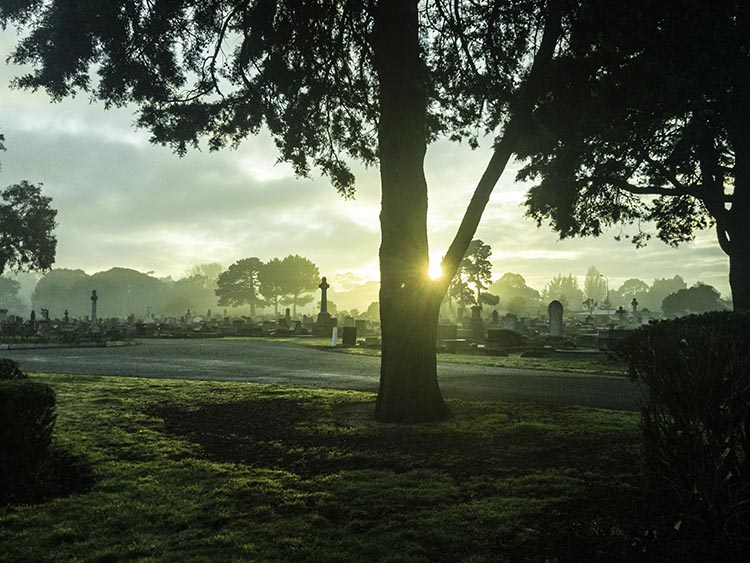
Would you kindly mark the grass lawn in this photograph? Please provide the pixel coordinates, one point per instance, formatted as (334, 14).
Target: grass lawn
(212, 471)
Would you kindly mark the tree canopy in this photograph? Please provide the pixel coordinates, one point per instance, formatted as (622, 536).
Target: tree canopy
(700, 298)
(646, 123)
(374, 81)
(240, 284)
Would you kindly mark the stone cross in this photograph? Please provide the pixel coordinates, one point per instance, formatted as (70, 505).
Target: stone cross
(634, 305)
(66, 317)
(555, 312)
(324, 296)
(94, 299)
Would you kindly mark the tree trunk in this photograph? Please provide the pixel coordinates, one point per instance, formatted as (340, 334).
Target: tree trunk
(409, 301)
(734, 230)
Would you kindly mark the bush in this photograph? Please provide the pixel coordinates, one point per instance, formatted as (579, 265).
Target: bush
(27, 417)
(696, 416)
(9, 369)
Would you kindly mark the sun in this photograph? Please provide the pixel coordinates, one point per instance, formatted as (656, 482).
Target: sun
(435, 271)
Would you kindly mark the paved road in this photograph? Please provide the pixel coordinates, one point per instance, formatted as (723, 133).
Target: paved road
(288, 363)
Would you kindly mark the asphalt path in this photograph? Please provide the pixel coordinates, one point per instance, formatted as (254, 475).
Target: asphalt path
(287, 363)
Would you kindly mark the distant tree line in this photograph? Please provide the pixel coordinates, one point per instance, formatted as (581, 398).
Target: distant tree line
(259, 284)
(472, 285)
(123, 291)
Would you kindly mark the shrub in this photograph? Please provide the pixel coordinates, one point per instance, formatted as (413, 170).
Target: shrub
(696, 416)
(27, 416)
(9, 369)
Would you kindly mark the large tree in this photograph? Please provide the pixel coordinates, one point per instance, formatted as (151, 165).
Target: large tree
(331, 80)
(240, 284)
(648, 120)
(301, 276)
(477, 266)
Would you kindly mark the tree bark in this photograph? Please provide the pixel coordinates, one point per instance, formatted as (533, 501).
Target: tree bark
(409, 300)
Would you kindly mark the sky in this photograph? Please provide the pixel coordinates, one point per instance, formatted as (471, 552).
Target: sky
(124, 202)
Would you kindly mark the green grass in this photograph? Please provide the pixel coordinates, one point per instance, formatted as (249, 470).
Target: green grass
(211, 471)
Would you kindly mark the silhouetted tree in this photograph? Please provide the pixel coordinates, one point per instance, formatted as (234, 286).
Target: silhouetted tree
(9, 295)
(375, 81)
(208, 272)
(510, 286)
(271, 278)
(700, 298)
(300, 276)
(648, 119)
(240, 284)
(477, 266)
(565, 289)
(660, 288)
(26, 225)
(594, 285)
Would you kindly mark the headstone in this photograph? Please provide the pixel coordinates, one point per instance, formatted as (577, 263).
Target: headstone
(634, 305)
(208, 315)
(621, 314)
(66, 317)
(361, 326)
(495, 317)
(323, 315)
(510, 322)
(45, 314)
(94, 299)
(349, 321)
(288, 316)
(334, 335)
(555, 312)
(188, 317)
(325, 324)
(349, 336)
(447, 332)
(477, 323)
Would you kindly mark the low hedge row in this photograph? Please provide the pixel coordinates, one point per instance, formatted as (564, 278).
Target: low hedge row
(695, 372)
(27, 417)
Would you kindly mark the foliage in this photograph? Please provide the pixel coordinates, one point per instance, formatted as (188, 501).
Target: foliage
(512, 285)
(271, 283)
(330, 81)
(10, 370)
(240, 284)
(630, 289)
(477, 266)
(645, 124)
(208, 272)
(565, 289)
(26, 225)
(696, 415)
(27, 417)
(701, 298)
(595, 286)
(9, 299)
(300, 276)
(661, 288)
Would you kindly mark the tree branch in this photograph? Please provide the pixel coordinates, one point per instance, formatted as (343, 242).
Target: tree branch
(520, 114)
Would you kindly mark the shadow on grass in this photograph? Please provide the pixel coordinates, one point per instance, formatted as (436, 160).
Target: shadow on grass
(59, 475)
(593, 501)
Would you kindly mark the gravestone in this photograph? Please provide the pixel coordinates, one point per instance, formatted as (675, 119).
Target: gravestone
(361, 326)
(66, 317)
(477, 323)
(495, 317)
(349, 336)
(621, 314)
(288, 316)
(510, 322)
(325, 324)
(348, 321)
(634, 305)
(555, 312)
(94, 327)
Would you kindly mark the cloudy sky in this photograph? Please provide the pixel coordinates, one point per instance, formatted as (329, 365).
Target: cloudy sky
(124, 202)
